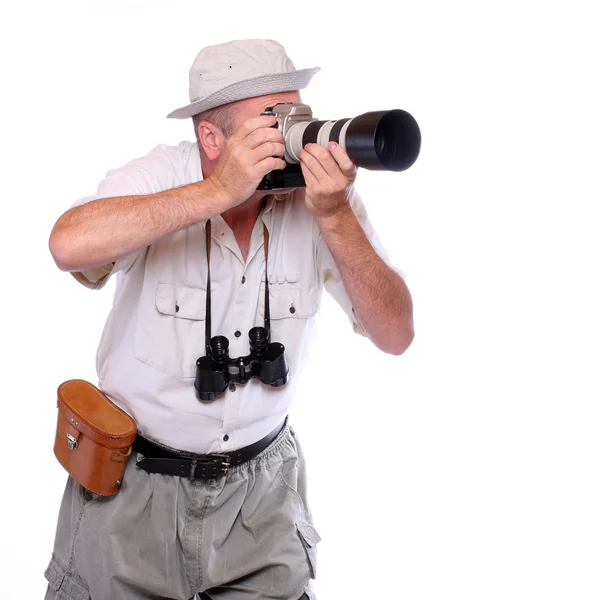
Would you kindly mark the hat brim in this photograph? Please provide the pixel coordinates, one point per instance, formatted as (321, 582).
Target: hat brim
(248, 88)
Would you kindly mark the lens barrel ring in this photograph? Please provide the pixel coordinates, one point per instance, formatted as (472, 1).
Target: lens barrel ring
(334, 136)
(311, 133)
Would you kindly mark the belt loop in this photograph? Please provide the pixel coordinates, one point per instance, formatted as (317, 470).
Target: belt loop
(193, 469)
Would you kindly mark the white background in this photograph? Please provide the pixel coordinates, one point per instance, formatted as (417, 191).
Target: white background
(466, 468)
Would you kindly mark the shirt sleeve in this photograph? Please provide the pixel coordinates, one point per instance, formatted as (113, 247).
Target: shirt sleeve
(130, 180)
(328, 269)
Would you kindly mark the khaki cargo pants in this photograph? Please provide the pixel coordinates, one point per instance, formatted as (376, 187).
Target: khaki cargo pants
(247, 536)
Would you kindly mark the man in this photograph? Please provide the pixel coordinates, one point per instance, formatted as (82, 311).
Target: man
(247, 533)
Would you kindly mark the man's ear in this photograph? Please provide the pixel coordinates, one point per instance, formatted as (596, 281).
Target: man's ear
(212, 139)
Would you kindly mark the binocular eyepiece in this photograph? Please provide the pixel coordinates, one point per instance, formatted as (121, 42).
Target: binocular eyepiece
(219, 349)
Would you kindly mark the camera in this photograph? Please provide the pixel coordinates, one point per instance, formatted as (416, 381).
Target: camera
(381, 140)
(216, 370)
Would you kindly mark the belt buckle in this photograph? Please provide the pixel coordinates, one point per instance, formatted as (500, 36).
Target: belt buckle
(225, 464)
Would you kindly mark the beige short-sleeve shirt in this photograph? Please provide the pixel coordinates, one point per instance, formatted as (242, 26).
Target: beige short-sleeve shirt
(146, 359)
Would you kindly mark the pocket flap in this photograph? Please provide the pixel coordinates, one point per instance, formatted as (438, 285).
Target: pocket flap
(292, 277)
(55, 573)
(180, 301)
(289, 277)
(308, 532)
(60, 578)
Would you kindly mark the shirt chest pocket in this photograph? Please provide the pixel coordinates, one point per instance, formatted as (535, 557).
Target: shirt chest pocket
(170, 331)
(292, 303)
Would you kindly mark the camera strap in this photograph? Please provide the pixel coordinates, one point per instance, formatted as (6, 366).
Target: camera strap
(207, 330)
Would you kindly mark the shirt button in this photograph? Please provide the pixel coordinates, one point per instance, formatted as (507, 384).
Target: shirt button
(237, 333)
(244, 279)
(225, 438)
(292, 309)
(232, 387)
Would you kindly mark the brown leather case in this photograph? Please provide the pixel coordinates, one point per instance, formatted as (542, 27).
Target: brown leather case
(93, 437)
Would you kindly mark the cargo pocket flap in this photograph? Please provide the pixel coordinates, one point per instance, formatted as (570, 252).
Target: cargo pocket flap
(60, 578)
(55, 573)
(309, 538)
(308, 533)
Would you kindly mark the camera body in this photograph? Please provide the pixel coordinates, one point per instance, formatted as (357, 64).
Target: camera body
(287, 115)
(216, 370)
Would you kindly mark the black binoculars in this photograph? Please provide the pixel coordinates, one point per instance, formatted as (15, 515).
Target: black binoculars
(216, 370)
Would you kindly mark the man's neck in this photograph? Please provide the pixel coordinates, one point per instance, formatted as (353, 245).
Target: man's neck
(244, 215)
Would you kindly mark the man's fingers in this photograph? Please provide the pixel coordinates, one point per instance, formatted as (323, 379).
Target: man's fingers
(261, 136)
(316, 159)
(269, 164)
(267, 149)
(347, 167)
(308, 176)
(329, 161)
(254, 123)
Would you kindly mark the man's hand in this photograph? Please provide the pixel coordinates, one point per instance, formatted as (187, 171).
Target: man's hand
(252, 151)
(329, 176)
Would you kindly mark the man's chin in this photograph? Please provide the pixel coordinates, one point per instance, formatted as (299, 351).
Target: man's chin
(285, 193)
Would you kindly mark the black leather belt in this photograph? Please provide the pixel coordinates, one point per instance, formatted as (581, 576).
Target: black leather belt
(168, 461)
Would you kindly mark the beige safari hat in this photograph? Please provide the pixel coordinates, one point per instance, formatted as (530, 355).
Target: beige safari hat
(237, 70)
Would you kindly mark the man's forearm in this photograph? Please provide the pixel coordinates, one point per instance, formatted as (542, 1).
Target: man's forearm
(381, 300)
(100, 231)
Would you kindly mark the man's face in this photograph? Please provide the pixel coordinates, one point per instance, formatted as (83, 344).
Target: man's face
(252, 107)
